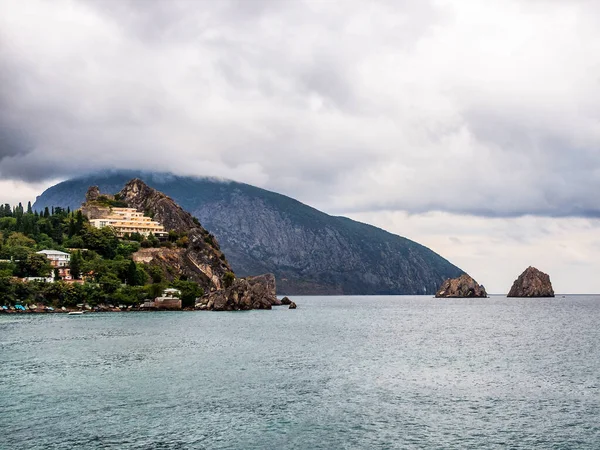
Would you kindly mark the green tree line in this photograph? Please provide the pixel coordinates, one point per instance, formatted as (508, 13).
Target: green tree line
(101, 260)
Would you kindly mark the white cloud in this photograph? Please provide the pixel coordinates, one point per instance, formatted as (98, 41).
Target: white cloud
(14, 191)
(462, 106)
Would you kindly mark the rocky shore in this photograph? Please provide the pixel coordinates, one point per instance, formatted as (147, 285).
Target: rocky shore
(243, 294)
(87, 309)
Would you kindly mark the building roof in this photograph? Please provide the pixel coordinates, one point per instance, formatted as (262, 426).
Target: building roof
(53, 252)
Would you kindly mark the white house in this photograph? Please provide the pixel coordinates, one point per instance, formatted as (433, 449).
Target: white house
(171, 292)
(59, 261)
(56, 258)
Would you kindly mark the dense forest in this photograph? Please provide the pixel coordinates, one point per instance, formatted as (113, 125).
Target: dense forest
(101, 264)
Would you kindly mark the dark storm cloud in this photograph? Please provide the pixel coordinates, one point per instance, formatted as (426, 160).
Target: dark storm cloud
(350, 106)
(13, 142)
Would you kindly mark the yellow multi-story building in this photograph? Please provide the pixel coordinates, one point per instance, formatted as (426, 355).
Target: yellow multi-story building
(129, 220)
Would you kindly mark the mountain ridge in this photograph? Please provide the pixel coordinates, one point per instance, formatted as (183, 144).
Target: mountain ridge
(261, 231)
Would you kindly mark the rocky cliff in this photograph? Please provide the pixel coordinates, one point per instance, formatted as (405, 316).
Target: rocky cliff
(260, 231)
(201, 260)
(461, 287)
(532, 283)
(243, 294)
(163, 209)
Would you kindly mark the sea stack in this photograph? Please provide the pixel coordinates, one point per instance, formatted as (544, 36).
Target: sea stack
(461, 287)
(532, 283)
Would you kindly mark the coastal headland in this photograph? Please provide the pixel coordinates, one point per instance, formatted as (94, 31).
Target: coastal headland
(136, 250)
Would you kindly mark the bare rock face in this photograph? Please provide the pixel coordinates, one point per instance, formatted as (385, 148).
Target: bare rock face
(532, 283)
(243, 294)
(92, 194)
(461, 287)
(161, 207)
(91, 208)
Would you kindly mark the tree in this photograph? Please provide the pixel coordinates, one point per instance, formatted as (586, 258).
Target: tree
(102, 240)
(110, 283)
(72, 230)
(183, 242)
(156, 290)
(153, 240)
(34, 265)
(132, 274)
(79, 221)
(156, 274)
(75, 265)
(7, 291)
(38, 265)
(190, 291)
(19, 239)
(228, 279)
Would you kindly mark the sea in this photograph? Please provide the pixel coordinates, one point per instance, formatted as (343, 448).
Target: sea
(393, 372)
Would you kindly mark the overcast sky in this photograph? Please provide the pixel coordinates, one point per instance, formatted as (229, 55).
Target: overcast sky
(470, 126)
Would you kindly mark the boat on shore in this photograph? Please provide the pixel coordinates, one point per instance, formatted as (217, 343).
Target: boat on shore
(75, 313)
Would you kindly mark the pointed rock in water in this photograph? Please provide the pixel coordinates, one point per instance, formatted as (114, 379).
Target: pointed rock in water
(532, 283)
(461, 287)
(292, 305)
(286, 301)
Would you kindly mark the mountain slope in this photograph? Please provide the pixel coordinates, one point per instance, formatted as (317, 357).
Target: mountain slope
(260, 231)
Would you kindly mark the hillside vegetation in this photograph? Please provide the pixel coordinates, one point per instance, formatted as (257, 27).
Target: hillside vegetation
(101, 264)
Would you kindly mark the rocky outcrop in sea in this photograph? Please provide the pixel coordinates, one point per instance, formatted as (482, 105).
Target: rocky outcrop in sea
(244, 293)
(532, 283)
(461, 287)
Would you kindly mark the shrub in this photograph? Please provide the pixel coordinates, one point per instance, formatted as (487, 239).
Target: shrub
(228, 279)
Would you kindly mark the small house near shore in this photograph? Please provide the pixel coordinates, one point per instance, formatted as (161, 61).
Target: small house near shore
(169, 300)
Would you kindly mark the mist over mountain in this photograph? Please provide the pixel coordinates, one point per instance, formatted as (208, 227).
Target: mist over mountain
(309, 252)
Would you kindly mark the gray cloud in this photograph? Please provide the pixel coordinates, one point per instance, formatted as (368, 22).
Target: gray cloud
(350, 106)
(13, 142)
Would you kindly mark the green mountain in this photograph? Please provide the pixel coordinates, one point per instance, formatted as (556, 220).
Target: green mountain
(309, 252)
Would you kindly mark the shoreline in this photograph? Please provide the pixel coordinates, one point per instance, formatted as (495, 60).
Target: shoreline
(96, 310)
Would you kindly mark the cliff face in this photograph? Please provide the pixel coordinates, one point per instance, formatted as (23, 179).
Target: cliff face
(162, 208)
(532, 283)
(202, 260)
(461, 287)
(309, 251)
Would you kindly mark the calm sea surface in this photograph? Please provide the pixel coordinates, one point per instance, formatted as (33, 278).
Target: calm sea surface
(337, 373)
